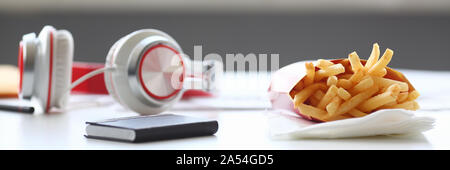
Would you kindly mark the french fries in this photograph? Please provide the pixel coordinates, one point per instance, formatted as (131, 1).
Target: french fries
(332, 80)
(352, 88)
(413, 95)
(362, 85)
(332, 91)
(377, 101)
(344, 76)
(356, 113)
(356, 100)
(333, 106)
(373, 56)
(319, 94)
(409, 105)
(344, 83)
(310, 73)
(344, 94)
(312, 111)
(329, 71)
(384, 82)
(357, 77)
(355, 62)
(322, 64)
(402, 97)
(380, 73)
(382, 63)
(307, 92)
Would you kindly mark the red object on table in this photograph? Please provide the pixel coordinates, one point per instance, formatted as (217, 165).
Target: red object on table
(93, 85)
(96, 84)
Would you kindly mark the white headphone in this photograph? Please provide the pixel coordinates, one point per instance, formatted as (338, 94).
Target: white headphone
(144, 71)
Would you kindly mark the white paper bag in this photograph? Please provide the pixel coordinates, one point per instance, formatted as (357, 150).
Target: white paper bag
(284, 124)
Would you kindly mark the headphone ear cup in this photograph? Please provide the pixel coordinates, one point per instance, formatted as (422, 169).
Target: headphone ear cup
(52, 66)
(62, 68)
(118, 81)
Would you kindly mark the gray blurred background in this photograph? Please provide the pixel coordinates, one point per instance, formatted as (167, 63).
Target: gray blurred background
(418, 31)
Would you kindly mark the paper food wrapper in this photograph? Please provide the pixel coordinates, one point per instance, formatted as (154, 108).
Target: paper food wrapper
(285, 125)
(281, 92)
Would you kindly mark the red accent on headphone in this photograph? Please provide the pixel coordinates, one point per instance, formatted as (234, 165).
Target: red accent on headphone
(20, 65)
(196, 93)
(93, 85)
(50, 75)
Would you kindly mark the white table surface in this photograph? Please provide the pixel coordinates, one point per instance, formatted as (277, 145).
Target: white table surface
(239, 128)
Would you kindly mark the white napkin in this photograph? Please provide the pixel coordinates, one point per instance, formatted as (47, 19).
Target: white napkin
(285, 124)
